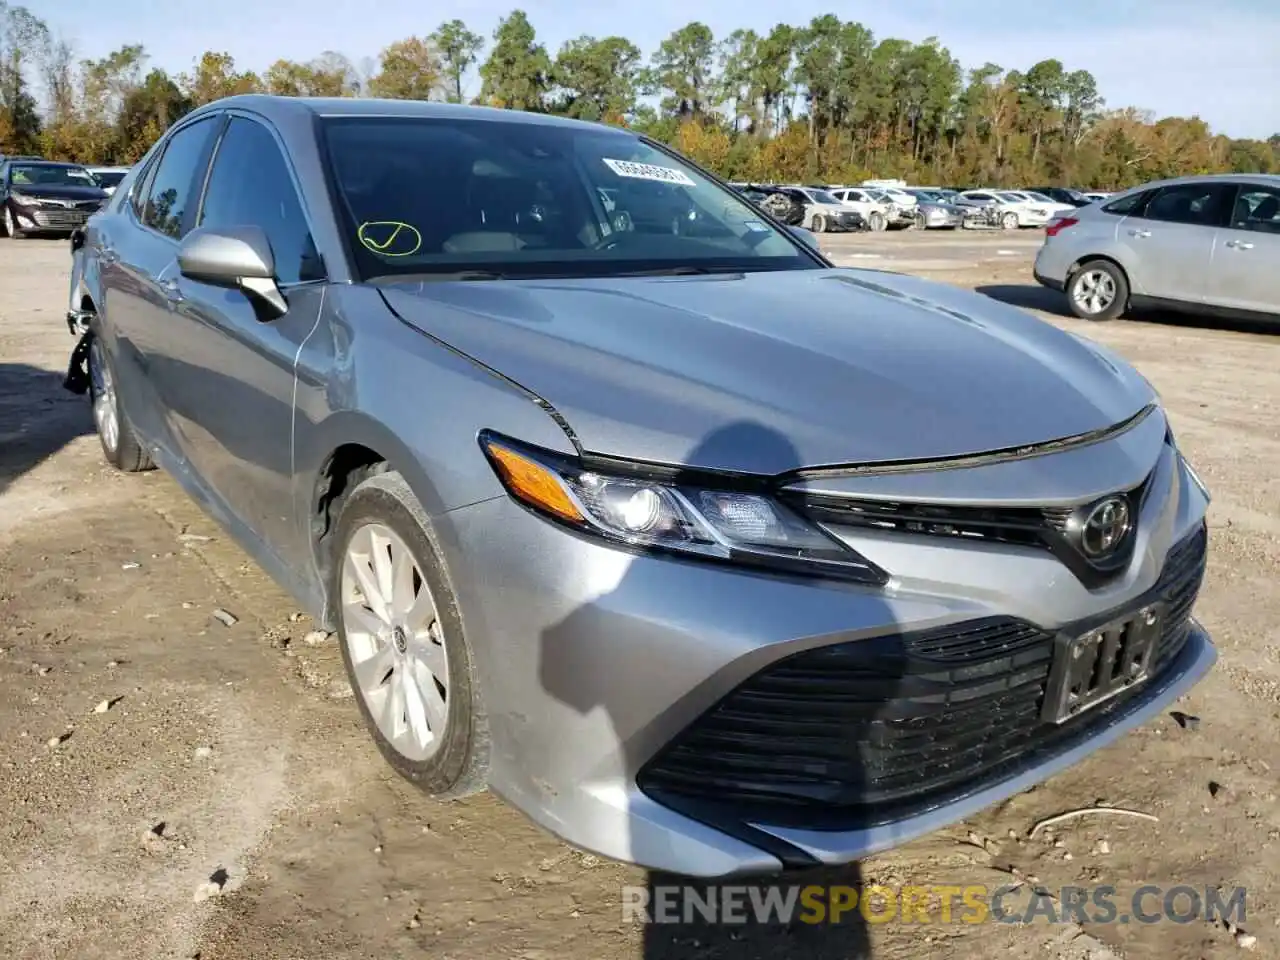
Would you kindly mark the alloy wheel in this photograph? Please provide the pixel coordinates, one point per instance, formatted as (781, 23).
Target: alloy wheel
(1094, 291)
(394, 639)
(102, 391)
(10, 228)
(1009, 221)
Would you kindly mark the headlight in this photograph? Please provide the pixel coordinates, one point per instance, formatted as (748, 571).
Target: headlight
(24, 198)
(624, 507)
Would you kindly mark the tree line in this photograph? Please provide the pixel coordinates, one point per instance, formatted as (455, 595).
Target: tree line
(826, 101)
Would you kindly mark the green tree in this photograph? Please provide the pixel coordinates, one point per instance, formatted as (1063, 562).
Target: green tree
(683, 68)
(328, 75)
(597, 79)
(147, 112)
(409, 69)
(518, 71)
(215, 76)
(458, 48)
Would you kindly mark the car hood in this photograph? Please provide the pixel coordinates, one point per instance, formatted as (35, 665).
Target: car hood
(769, 372)
(43, 191)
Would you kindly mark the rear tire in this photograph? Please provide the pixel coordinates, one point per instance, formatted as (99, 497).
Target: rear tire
(1009, 221)
(399, 633)
(877, 222)
(1098, 291)
(120, 445)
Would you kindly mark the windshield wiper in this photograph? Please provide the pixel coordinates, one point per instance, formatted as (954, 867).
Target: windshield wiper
(684, 270)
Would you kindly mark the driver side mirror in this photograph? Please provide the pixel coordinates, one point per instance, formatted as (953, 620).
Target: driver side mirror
(806, 236)
(238, 258)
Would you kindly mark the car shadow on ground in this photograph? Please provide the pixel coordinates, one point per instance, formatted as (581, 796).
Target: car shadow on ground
(38, 417)
(835, 924)
(1034, 297)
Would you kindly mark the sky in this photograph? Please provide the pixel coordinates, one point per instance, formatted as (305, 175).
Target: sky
(1219, 61)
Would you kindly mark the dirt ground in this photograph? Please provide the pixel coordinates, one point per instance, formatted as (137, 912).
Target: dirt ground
(230, 760)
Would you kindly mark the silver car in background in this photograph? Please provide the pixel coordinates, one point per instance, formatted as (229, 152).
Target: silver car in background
(1207, 244)
(704, 553)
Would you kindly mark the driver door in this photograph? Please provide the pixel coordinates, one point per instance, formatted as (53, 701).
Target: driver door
(229, 379)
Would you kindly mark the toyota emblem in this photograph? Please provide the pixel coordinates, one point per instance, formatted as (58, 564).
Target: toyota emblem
(1105, 526)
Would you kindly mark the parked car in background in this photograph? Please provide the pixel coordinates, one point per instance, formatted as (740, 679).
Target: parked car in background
(1095, 195)
(597, 504)
(895, 190)
(41, 196)
(1051, 206)
(823, 213)
(935, 211)
(1194, 244)
(1065, 195)
(108, 177)
(1006, 209)
(900, 217)
(874, 212)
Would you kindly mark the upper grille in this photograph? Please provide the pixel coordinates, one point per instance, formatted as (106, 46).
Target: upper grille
(1036, 527)
(861, 730)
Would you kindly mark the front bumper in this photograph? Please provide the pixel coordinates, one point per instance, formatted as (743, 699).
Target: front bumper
(597, 666)
(49, 219)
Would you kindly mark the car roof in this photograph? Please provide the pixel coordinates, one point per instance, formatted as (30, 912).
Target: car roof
(294, 108)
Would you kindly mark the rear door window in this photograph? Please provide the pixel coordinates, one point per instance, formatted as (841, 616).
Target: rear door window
(171, 196)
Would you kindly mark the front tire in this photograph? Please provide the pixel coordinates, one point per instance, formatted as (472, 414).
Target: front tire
(403, 642)
(10, 225)
(1099, 290)
(119, 443)
(877, 222)
(819, 223)
(1009, 221)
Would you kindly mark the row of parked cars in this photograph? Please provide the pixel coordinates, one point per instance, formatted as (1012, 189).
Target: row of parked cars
(887, 205)
(48, 196)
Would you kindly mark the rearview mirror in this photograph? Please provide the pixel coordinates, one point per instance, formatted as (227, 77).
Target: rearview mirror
(806, 236)
(235, 257)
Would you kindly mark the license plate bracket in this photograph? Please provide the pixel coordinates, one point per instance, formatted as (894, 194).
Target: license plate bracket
(1092, 667)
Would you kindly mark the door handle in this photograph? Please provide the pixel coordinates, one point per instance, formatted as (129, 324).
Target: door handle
(172, 292)
(1139, 233)
(1240, 244)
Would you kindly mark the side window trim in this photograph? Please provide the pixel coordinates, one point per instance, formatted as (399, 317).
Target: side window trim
(294, 180)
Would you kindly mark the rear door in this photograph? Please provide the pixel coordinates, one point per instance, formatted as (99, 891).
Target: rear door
(228, 377)
(140, 264)
(1245, 274)
(1172, 239)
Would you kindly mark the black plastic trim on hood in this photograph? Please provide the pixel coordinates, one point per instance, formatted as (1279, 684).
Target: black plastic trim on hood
(966, 460)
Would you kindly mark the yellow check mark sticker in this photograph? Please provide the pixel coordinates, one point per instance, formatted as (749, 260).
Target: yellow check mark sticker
(390, 238)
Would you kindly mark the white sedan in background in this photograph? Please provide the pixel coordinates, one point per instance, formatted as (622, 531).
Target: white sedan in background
(1011, 211)
(877, 214)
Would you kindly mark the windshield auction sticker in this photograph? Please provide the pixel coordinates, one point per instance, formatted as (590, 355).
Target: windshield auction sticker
(390, 238)
(648, 171)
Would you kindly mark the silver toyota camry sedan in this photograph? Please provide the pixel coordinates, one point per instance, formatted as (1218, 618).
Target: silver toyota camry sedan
(622, 500)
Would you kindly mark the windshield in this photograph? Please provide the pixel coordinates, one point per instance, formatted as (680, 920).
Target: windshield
(1010, 197)
(1040, 197)
(110, 178)
(50, 175)
(821, 196)
(879, 197)
(513, 198)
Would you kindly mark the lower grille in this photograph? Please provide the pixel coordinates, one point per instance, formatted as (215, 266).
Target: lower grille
(864, 731)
